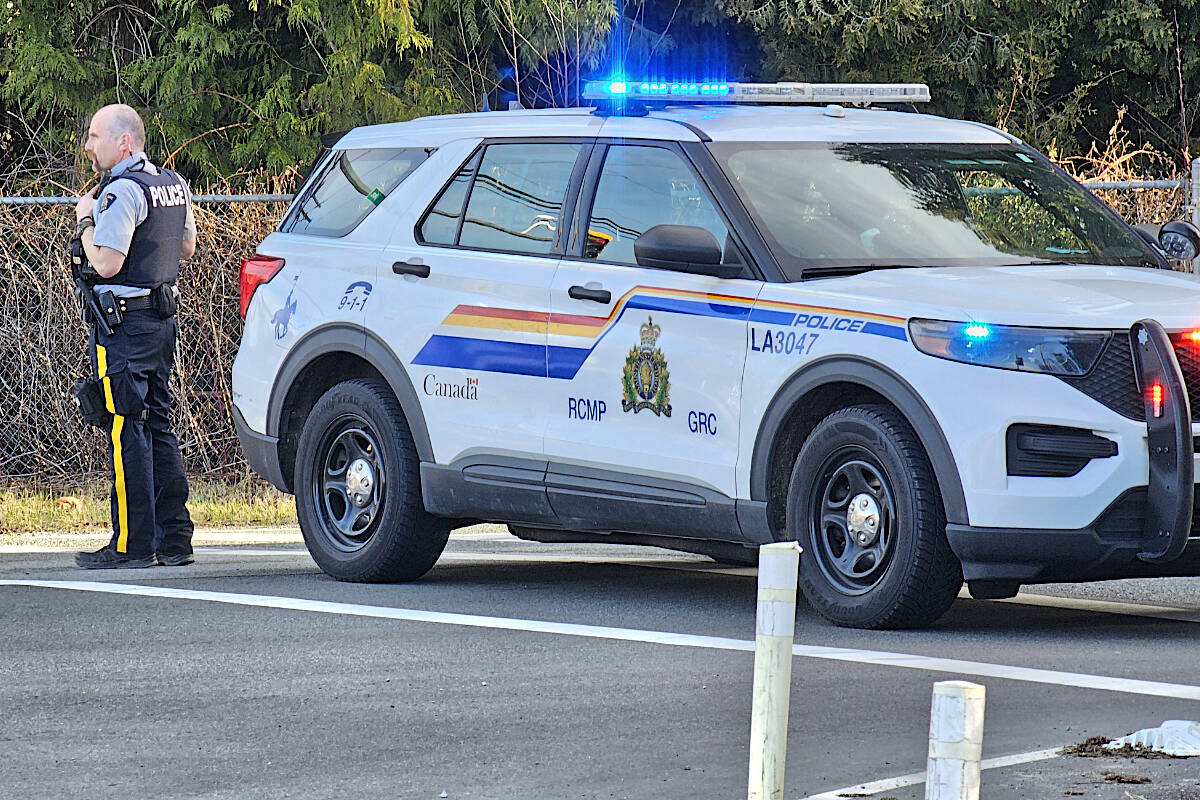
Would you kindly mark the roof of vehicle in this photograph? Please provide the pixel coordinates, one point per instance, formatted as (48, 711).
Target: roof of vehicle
(717, 122)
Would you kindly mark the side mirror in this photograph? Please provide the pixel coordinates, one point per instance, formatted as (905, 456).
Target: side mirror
(1180, 240)
(682, 248)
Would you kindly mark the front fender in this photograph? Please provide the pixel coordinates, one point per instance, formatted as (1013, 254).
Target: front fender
(881, 380)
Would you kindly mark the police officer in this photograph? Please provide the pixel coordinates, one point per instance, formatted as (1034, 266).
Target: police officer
(134, 228)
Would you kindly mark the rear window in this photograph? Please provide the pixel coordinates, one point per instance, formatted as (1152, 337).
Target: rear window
(510, 201)
(349, 187)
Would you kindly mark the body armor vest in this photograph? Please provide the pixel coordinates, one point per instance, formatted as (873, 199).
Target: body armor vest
(154, 251)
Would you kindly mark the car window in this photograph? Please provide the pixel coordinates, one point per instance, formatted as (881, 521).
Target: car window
(642, 186)
(349, 188)
(833, 206)
(516, 201)
(441, 223)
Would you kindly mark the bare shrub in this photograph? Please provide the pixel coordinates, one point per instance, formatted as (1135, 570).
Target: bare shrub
(43, 344)
(1119, 160)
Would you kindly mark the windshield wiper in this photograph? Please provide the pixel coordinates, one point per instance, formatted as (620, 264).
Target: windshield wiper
(849, 269)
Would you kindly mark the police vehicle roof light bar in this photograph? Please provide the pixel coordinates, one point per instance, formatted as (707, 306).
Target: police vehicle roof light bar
(774, 93)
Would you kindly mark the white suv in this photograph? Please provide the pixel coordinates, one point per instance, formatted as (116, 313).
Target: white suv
(910, 343)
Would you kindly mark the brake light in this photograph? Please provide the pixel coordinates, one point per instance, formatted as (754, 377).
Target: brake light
(1192, 337)
(1156, 399)
(254, 273)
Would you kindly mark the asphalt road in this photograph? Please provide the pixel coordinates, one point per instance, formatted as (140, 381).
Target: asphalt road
(547, 671)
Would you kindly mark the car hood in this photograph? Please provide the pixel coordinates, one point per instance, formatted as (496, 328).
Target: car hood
(1075, 296)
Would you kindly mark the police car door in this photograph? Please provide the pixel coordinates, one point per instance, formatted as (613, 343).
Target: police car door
(646, 364)
(465, 302)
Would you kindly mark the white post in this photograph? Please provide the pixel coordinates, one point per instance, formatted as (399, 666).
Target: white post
(776, 626)
(955, 741)
(1194, 204)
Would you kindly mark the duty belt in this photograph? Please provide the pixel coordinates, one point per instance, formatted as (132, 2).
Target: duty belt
(140, 303)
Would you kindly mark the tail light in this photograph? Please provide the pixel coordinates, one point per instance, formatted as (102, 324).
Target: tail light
(255, 272)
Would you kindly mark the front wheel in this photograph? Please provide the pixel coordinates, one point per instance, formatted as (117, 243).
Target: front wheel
(358, 488)
(864, 505)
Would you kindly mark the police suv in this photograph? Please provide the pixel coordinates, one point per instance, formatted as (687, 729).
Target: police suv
(711, 316)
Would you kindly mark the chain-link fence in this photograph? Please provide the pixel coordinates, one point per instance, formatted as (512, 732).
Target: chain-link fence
(43, 342)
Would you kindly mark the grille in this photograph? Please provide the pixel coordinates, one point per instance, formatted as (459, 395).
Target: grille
(1125, 518)
(1112, 381)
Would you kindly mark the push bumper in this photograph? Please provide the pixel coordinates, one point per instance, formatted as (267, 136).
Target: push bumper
(1109, 548)
(1143, 533)
(261, 451)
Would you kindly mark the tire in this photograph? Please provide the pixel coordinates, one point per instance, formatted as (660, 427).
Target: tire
(358, 488)
(896, 571)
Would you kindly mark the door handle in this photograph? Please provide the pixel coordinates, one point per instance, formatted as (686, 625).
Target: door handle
(584, 293)
(414, 267)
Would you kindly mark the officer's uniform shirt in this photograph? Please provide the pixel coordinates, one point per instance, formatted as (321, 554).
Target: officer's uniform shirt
(120, 208)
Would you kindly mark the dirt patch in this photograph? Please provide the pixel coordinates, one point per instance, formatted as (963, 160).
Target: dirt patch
(1095, 748)
(1122, 777)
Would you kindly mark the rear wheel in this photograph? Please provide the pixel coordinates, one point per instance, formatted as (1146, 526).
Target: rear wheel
(358, 488)
(865, 506)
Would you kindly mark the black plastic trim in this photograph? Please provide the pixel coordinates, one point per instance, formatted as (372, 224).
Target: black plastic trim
(1052, 451)
(880, 379)
(492, 488)
(261, 451)
(730, 552)
(591, 499)
(581, 499)
(1027, 555)
(341, 337)
(1169, 441)
(754, 522)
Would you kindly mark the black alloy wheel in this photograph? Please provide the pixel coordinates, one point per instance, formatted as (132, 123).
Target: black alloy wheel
(853, 521)
(350, 487)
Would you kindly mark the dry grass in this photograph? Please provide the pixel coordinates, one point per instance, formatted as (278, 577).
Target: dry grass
(244, 503)
(1118, 160)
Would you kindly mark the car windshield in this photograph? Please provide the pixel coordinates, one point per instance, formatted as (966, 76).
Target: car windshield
(826, 208)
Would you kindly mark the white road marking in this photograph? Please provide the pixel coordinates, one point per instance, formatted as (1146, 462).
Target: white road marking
(913, 778)
(874, 657)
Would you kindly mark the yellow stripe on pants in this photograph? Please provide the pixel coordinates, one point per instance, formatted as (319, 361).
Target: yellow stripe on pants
(118, 463)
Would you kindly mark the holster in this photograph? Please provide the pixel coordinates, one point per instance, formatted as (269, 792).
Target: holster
(108, 307)
(165, 300)
(89, 397)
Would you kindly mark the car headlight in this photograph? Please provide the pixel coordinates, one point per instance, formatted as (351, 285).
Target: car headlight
(1056, 351)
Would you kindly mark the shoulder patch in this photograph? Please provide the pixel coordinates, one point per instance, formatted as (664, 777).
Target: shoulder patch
(106, 203)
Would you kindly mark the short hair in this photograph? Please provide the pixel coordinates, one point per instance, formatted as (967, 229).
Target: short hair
(120, 119)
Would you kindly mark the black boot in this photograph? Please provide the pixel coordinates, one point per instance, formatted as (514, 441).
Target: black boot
(108, 558)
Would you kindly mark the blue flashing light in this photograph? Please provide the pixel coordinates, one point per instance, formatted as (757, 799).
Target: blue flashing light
(772, 93)
(977, 331)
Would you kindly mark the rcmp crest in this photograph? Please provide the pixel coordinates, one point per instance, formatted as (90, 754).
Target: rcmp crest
(645, 381)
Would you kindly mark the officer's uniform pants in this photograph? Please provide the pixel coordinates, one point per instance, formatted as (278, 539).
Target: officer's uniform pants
(150, 489)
